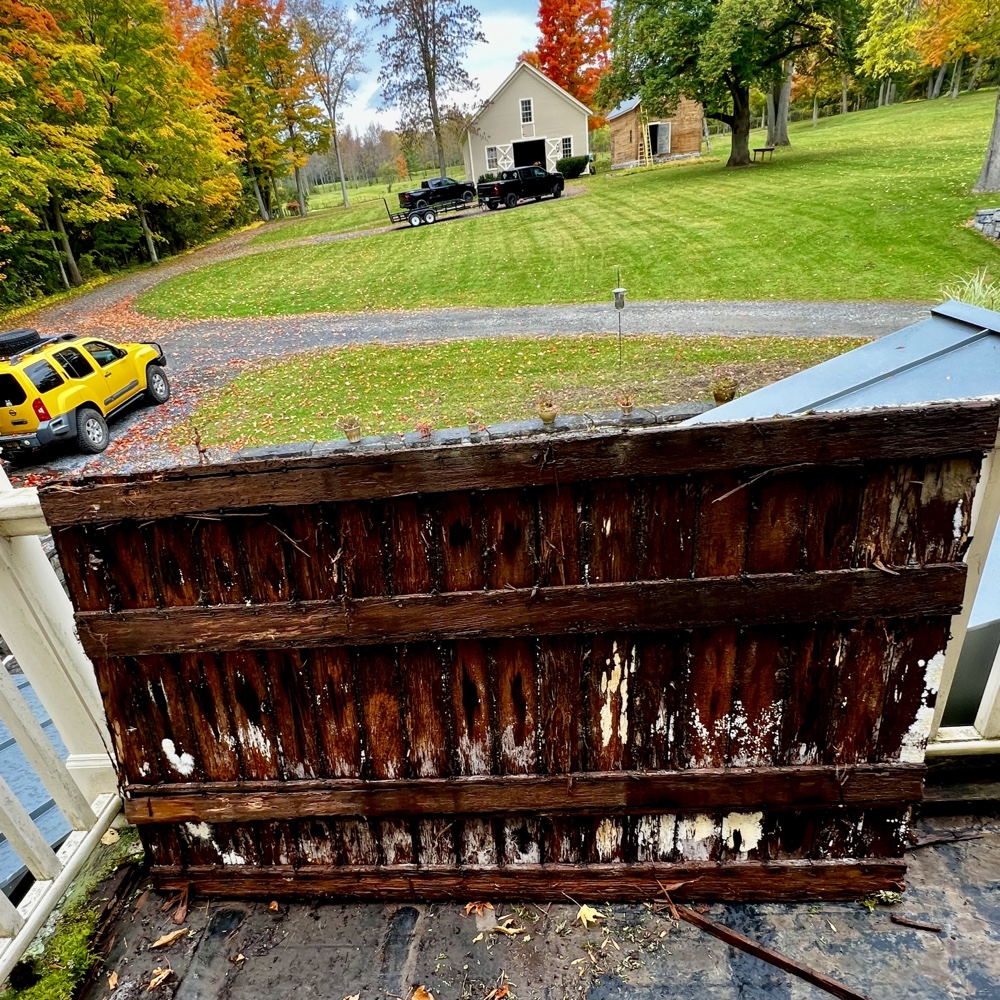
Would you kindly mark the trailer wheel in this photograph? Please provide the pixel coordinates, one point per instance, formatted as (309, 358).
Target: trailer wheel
(422, 203)
(415, 219)
(511, 200)
(430, 216)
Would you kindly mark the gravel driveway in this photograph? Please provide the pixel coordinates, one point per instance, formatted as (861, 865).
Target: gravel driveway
(205, 354)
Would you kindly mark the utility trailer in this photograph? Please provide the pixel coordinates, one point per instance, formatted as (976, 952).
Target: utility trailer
(426, 216)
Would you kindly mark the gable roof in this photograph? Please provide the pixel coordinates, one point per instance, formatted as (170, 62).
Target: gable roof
(624, 107)
(522, 65)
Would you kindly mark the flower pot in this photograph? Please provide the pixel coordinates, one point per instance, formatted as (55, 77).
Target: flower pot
(626, 409)
(353, 434)
(548, 414)
(723, 396)
(473, 429)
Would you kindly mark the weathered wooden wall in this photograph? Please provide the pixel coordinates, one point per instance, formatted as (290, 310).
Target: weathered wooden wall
(574, 663)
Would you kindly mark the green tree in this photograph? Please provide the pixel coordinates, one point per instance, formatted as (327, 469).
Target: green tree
(714, 51)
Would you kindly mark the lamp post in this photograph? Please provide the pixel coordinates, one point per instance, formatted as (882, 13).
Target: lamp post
(619, 294)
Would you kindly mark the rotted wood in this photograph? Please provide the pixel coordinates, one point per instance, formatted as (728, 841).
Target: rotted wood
(693, 790)
(945, 429)
(741, 881)
(720, 601)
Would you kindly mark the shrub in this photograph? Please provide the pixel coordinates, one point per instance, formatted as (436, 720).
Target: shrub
(572, 166)
(487, 178)
(976, 290)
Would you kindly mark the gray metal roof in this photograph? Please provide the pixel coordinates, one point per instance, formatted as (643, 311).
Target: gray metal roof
(624, 107)
(954, 354)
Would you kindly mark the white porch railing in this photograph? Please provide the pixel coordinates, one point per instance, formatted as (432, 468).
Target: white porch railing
(36, 621)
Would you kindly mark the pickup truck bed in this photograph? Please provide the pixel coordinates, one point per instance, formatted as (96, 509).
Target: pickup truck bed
(521, 182)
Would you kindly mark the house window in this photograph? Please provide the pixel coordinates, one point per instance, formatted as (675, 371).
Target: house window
(567, 146)
(527, 111)
(492, 160)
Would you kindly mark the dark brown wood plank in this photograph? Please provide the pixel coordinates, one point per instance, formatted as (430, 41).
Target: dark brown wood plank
(560, 705)
(460, 540)
(758, 699)
(615, 525)
(264, 555)
(363, 558)
(740, 600)
(744, 881)
(723, 510)
(472, 708)
(509, 524)
(175, 550)
(220, 568)
(379, 695)
(558, 537)
(132, 577)
(292, 704)
(691, 790)
(945, 509)
(671, 510)
(517, 706)
(658, 701)
(945, 429)
(710, 696)
(253, 717)
(410, 547)
(201, 681)
(336, 712)
(316, 556)
(777, 522)
(427, 710)
(84, 564)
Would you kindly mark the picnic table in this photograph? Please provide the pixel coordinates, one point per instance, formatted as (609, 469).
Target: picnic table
(762, 150)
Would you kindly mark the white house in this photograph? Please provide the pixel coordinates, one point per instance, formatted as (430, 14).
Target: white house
(528, 120)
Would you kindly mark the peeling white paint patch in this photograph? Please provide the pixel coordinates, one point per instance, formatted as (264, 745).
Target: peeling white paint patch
(747, 826)
(255, 737)
(607, 526)
(615, 682)
(959, 523)
(397, 844)
(608, 839)
(475, 754)
(182, 763)
(696, 836)
(655, 837)
(754, 739)
(530, 856)
(518, 754)
(914, 743)
(232, 858)
(199, 831)
(145, 769)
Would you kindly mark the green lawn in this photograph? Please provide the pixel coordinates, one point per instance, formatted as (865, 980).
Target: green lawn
(870, 205)
(391, 389)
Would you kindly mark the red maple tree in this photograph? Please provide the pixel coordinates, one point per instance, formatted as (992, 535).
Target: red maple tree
(573, 50)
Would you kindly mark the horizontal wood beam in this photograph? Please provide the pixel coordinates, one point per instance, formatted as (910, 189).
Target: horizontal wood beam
(696, 790)
(738, 881)
(778, 598)
(817, 439)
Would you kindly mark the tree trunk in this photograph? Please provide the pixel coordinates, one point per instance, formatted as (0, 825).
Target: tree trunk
(436, 126)
(784, 98)
(705, 135)
(62, 266)
(276, 206)
(843, 93)
(939, 82)
(300, 192)
(150, 246)
(772, 112)
(989, 177)
(815, 110)
(956, 77)
(340, 168)
(739, 155)
(974, 79)
(76, 279)
(261, 207)
(881, 93)
(930, 86)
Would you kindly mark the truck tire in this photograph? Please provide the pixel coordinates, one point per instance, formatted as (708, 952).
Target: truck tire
(415, 219)
(430, 217)
(511, 200)
(422, 203)
(91, 431)
(557, 190)
(18, 340)
(468, 197)
(492, 205)
(157, 384)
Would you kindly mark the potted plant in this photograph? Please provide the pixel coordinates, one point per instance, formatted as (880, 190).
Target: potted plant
(351, 427)
(473, 418)
(626, 402)
(547, 409)
(424, 428)
(723, 388)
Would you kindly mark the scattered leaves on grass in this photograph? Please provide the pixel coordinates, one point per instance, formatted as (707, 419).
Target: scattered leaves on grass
(168, 939)
(478, 908)
(159, 976)
(588, 916)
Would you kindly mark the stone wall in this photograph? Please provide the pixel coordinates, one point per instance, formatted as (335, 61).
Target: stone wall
(987, 221)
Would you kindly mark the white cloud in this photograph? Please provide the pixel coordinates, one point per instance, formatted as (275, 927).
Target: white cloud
(508, 34)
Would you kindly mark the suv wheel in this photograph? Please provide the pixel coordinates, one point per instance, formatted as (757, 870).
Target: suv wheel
(157, 386)
(91, 431)
(511, 200)
(556, 190)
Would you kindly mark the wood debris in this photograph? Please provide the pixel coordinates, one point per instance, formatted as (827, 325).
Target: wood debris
(168, 939)
(159, 976)
(113, 981)
(917, 924)
(478, 908)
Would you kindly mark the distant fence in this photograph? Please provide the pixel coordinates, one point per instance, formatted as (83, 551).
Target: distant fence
(579, 663)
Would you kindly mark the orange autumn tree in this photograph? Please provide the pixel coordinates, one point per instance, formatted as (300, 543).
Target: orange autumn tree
(573, 50)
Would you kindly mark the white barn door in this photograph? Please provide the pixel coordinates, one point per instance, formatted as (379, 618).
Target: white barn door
(553, 152)
(505, 156)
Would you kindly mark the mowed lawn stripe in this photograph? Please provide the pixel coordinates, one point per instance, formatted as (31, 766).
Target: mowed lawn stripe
(871, 205)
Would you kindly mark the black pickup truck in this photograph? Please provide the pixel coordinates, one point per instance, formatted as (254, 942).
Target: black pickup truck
(435, 190)
(521, 182)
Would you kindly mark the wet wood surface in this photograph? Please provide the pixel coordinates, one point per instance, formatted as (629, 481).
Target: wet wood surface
(518, 667)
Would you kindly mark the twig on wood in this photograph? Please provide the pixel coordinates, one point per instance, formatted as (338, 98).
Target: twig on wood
(760, 475)
(918, 924)
(737, 940)
(955, 837)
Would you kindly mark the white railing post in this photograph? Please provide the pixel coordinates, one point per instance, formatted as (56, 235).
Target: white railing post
(36, 621)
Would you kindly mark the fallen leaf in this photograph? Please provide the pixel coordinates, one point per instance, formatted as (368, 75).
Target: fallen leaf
(141, 901)
(504, 927)
(112, 980)
(478, 907)
(159, 976)
(588, 916)
(237, 959)
(110, 837)
(477, 938)
(273, 906)
(353, 996)
(422, 993)
(168, 939)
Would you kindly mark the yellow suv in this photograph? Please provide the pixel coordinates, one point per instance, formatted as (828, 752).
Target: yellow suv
(65, 387)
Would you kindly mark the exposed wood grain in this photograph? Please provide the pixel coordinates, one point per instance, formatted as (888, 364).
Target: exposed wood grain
(263, 547)
(832, 513)
(292, 703)
(220, 570)
(517, 706)
(176, 547)
(379, 692)
(723, 510)
(559, 706)
(671, 507)
(509, 525)
(742, 600)
(558, 537)
(710, 696)
(658, 703)
(746, 881)
(336, 712)
(427, 712)
(821, 439)
(472, 708)
(410, 548)
(84, 563)
(252, 714)
(698, 790)
(364, 558)
(461, 543)
(945, 509)
(758, 699)
(199, 676)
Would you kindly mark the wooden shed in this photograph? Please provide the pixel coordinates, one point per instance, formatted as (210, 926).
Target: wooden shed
(637, 140)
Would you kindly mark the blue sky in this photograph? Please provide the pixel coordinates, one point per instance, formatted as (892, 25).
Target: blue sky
(509, 26)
